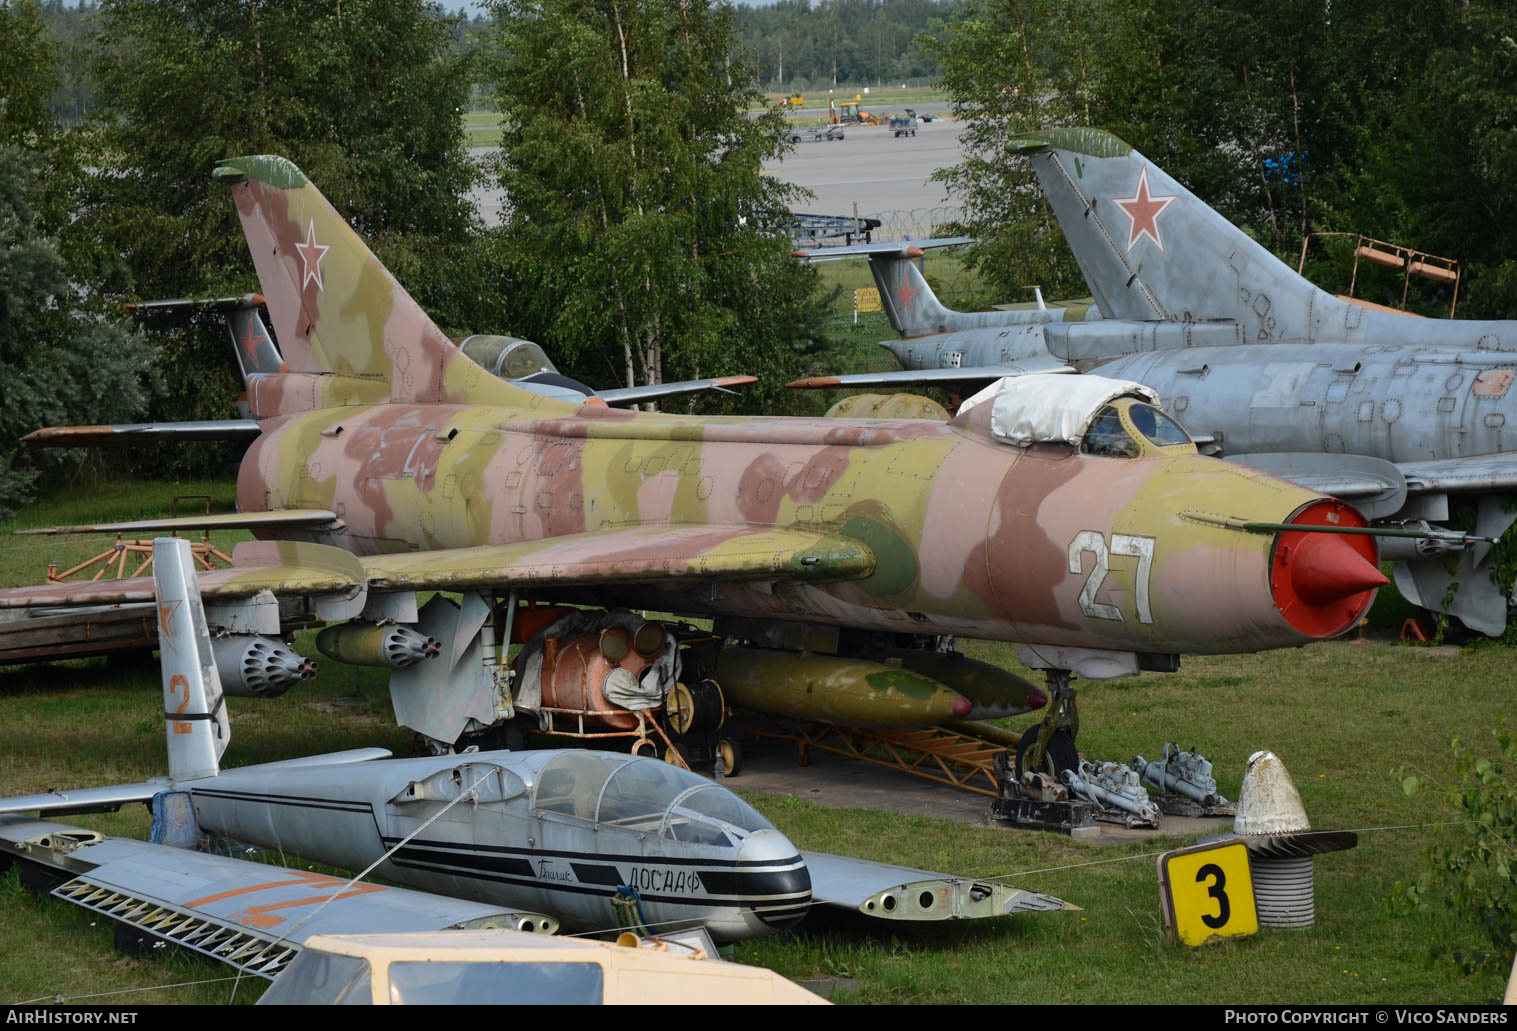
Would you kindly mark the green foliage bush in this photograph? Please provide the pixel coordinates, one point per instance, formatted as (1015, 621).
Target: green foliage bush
(1471, 869)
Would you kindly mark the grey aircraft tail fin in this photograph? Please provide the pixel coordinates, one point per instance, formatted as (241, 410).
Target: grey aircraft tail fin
(1149, 249)
(909, 303)
(255, 348)
(194, 706)
(913, 309)
(256, 351)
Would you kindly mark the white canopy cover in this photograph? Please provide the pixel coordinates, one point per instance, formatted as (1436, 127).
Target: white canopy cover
(1045, 409)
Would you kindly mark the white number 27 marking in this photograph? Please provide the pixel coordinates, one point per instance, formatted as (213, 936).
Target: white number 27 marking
(1141, 548)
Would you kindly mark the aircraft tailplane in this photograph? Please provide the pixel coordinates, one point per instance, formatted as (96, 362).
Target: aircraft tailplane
(194, 705)
(1150, 250)
(913, 309)
(337, 312)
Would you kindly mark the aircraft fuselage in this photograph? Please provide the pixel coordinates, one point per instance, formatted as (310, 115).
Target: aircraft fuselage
(972, 536)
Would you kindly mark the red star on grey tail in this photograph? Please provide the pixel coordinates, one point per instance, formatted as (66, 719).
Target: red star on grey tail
(311, 254)
(905, 296)
(1144, 210)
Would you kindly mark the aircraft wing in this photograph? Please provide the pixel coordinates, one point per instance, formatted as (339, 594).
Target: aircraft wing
(887, 892)
(128, 434)
(251, 915)
(637, 395)
(1379, 488)
(311, 518)
(629, 555)
(282, 567)
(86, 800)
(621, 555)
(932, 377)
(904, 248)
(1477, 473)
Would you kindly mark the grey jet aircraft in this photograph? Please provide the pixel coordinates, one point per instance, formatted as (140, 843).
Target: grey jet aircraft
(1408, 418)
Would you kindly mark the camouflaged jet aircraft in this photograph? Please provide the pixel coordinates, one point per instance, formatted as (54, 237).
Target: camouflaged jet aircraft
(1067, 514)
(1405, 417)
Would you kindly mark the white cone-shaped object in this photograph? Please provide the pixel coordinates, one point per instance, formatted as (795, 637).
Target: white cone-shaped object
(1269, 802)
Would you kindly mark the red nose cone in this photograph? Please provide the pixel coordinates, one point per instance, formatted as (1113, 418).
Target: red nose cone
(1036, 699)
(1328, 568)
(1324, 582)
(961, 706)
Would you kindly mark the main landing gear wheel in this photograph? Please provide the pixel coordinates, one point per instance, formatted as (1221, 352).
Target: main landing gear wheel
(1060, 755)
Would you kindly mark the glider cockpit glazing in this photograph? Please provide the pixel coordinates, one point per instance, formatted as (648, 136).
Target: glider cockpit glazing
(646, 796)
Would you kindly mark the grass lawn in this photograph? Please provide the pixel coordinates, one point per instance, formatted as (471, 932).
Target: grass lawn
(1349, 718)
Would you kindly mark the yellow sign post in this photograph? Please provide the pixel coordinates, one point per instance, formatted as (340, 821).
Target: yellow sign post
(1207, 892)
(866, 299)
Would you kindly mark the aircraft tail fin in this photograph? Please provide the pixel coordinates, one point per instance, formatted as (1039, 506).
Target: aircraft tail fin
(1149, 249)
(255, 349)
(909, 303)
(337, 312)
(194, 705)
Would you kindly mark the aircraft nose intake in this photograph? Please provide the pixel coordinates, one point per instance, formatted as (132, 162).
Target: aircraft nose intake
(1323, 582)
(1327, 568)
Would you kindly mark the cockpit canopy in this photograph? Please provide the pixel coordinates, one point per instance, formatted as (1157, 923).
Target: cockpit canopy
(1105, 417)
(642, 794)
(506, 357)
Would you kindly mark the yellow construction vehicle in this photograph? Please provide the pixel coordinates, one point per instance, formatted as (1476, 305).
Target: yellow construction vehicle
(795, 100)
(850, 113)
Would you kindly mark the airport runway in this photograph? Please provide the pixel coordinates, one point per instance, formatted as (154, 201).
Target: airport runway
(876, 173)
(884, 175)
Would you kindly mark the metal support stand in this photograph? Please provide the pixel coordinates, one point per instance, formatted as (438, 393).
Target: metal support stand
(1038, 803)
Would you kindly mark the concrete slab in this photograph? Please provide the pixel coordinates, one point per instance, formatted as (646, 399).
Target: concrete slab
(769, 768)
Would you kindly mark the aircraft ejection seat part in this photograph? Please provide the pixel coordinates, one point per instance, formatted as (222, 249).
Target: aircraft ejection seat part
(259, 667)
(853, 692)
(1187, 774)
(366, 644)
(1113, 786)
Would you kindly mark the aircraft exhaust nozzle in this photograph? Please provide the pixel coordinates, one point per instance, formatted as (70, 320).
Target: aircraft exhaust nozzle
(253, 666)
(388, 646)
(1324, 582)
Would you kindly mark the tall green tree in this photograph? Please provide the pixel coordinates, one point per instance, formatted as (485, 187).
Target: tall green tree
(61, 359)
(643, 237)
(58, 364)
(1386, 117)
(1013, 66)
(365, 95)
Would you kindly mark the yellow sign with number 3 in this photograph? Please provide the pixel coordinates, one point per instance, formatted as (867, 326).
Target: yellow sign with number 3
(1207, 892)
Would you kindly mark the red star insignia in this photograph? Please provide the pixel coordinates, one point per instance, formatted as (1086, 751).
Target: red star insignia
(905, 295)
(166, 610)
(250, 341)
(1144, 210)
(311, 254)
